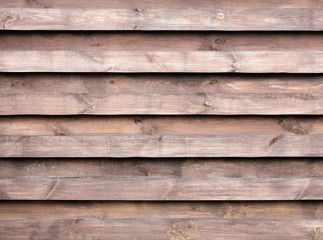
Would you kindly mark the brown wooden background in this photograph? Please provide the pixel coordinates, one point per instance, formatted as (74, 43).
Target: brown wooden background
(167, 119)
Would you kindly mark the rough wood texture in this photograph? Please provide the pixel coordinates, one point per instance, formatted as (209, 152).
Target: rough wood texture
(188, 168)
(205, 4)
(162, 61)
(162, 41)
(162, 179)
(162, 146)
(190, 125)
(128, 64)
(161, 19)
(180, 221)
(115, 94)
(160, 136)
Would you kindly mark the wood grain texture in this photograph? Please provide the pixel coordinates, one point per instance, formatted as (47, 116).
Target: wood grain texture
(176, 220)
(162, 61)
(162, 146)
(205, 4)
(161, 41)
(159, 125)
(173, 168)
(310, 19)
(169, 94)
(160, 136)
(162, 179)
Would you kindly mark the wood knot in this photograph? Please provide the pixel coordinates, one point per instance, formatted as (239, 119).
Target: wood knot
(9, 20)
(235, 66)
(177, 234)
(227, 215)
(208, 104)
(137, 121)
(138, 10)
(213, 82)
(316, 232)
(220, 16)
(136, 28)
(219, 41)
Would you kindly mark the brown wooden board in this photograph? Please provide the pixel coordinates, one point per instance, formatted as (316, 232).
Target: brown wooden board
(160, 137)
(161, 19)
(161, 179)
(162, 61)
(158, 125)
(161, 41)
(148, 220)
(162, 146)
(204, 4)
(179, 94)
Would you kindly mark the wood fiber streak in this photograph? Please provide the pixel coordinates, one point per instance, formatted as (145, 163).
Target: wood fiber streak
(169, 94)
(162, 179)
(162, 19)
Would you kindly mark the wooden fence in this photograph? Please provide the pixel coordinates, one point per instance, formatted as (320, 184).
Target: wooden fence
(161, 119)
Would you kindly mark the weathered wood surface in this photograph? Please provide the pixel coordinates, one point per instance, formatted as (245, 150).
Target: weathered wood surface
(162, 61)
(162, 146)
(162, 179)
(155, 125)
(205, 4)
(160, 136)
(128, 220)
(192, 168)
(115, 94)
(161, 41)
(310, 19)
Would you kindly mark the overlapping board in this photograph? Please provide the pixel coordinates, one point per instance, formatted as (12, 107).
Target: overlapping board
(194, 179)
(161, 105)
(160, 137)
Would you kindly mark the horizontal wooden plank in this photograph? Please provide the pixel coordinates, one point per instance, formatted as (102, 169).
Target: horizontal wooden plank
(161, 41)
(168, 168)
(143, 188)
(154, 125)
(162, 19)
(280, 210)
(205, 4)
(160, 136)
(162, 146)
(162, 179)
(152, 228)
(191, 168)
(150, 61)
(115, 94)
(177, 220)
